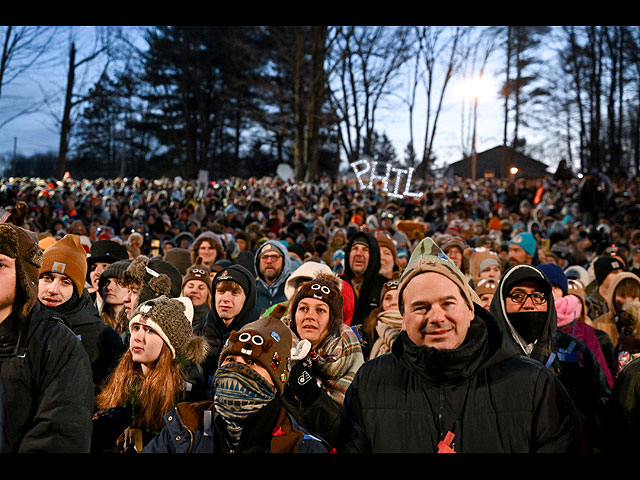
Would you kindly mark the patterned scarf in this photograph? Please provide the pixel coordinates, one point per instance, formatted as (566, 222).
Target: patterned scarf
(388, 327)
(240, 391)
(339, 357)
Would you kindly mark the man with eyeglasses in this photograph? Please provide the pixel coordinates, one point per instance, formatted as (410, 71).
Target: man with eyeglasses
(525, 306)
(273, 266)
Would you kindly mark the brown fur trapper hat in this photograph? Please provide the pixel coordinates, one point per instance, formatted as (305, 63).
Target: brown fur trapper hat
(155, 277)
(22, 245)
(171, 319)
(325, 287)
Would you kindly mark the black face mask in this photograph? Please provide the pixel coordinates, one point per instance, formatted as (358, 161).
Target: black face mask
(529, 324)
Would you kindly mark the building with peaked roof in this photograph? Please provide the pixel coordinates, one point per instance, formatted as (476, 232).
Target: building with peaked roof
(497, 162)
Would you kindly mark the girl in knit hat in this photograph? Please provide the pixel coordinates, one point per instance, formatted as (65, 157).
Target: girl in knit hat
(112, 291)
(151, 376)
(196, 285)
(384, 323)
(319, 382)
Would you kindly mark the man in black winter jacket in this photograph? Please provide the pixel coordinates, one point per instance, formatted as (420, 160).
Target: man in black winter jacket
(61, 289)
(453, 382)
(524, 305)
(44, 371)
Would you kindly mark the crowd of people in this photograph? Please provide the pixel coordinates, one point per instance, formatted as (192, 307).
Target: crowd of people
(267, 315)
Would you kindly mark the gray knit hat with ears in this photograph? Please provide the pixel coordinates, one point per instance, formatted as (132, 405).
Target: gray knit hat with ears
(171, 319)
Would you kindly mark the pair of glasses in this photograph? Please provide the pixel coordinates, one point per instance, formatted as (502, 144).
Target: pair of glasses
(270, 258)
(323, 288)
(537, 298)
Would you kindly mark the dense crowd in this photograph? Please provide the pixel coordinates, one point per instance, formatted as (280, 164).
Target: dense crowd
(267, 315)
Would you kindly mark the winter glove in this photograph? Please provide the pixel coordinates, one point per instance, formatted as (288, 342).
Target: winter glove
(303, 382)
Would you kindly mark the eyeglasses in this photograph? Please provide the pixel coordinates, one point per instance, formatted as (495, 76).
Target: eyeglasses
(270, 258)
(537, 298)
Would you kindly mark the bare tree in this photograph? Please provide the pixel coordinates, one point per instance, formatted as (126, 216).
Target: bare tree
(23, 48)
(364, 63)
(101, 48)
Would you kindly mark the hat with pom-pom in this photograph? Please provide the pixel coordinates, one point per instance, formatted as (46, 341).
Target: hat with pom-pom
(170, 319)
(155, 277)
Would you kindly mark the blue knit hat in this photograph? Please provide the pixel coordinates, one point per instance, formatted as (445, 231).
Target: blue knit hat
(526, 241)
(556, 276)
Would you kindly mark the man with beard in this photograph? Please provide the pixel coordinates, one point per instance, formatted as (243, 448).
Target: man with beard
(61, 289)
(522, 249)
(273, 266)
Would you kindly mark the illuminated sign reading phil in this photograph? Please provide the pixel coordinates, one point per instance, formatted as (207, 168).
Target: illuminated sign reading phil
(389, 172)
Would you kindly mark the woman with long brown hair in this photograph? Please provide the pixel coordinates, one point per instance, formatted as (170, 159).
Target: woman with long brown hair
(150, 377)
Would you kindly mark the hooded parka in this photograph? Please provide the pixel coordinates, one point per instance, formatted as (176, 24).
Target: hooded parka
(269, 295)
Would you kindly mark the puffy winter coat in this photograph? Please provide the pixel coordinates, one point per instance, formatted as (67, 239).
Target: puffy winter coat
(195, 428)
(484, 394)
(48, 388)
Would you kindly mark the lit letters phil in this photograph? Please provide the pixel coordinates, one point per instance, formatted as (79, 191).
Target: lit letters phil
(399, 172)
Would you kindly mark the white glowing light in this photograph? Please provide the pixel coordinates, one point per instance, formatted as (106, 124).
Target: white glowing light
(513, 170)
(386, 178)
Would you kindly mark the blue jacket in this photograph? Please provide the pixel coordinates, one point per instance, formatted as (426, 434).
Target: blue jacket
(269, 295)
(195, 428)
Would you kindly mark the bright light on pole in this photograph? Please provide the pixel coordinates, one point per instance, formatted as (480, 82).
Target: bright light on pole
(513, 170)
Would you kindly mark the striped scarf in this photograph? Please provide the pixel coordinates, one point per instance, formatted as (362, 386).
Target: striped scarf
(388, 327)
(240, 391)
(339, 357)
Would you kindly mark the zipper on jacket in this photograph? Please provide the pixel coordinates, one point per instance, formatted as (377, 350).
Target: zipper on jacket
(186, 428)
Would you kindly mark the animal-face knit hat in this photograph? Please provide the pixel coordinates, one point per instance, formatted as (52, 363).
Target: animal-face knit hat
(486, 285)
(268, 342)
(324, 287)
(155, 277)
(428, 257)
(22, 245)
(171, 319)
(67, 257)
(197, 271)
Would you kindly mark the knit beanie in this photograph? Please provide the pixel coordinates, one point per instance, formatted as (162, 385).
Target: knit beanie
(68, 257)
(179, 258)
(526, 241)
(237, 274)
(197, 271)
(604, 265)
(171, 319)
(155, 277)
(390, 285)
(46, 242)
(384, 241)
(115, 270)
(428, 257)
(324, 287)
(481, 258)
(106, 251)
(450, 241)
(268, 342)
(568, 309)
(486, 285)
(307, 270)
(556, 276)
(22, 245)
(576, 272)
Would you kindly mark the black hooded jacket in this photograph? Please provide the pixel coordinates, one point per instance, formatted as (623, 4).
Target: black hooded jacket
(487, 395)
(48, 392)
(216, 332)
(566, 356)
(369, 296)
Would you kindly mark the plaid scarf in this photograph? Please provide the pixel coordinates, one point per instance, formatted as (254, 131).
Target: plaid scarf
(338, 358)
(240, 391)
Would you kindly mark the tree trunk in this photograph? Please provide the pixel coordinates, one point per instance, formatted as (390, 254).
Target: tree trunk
(65, 128)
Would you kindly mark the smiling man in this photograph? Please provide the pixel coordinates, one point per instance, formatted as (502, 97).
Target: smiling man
(453, 381)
